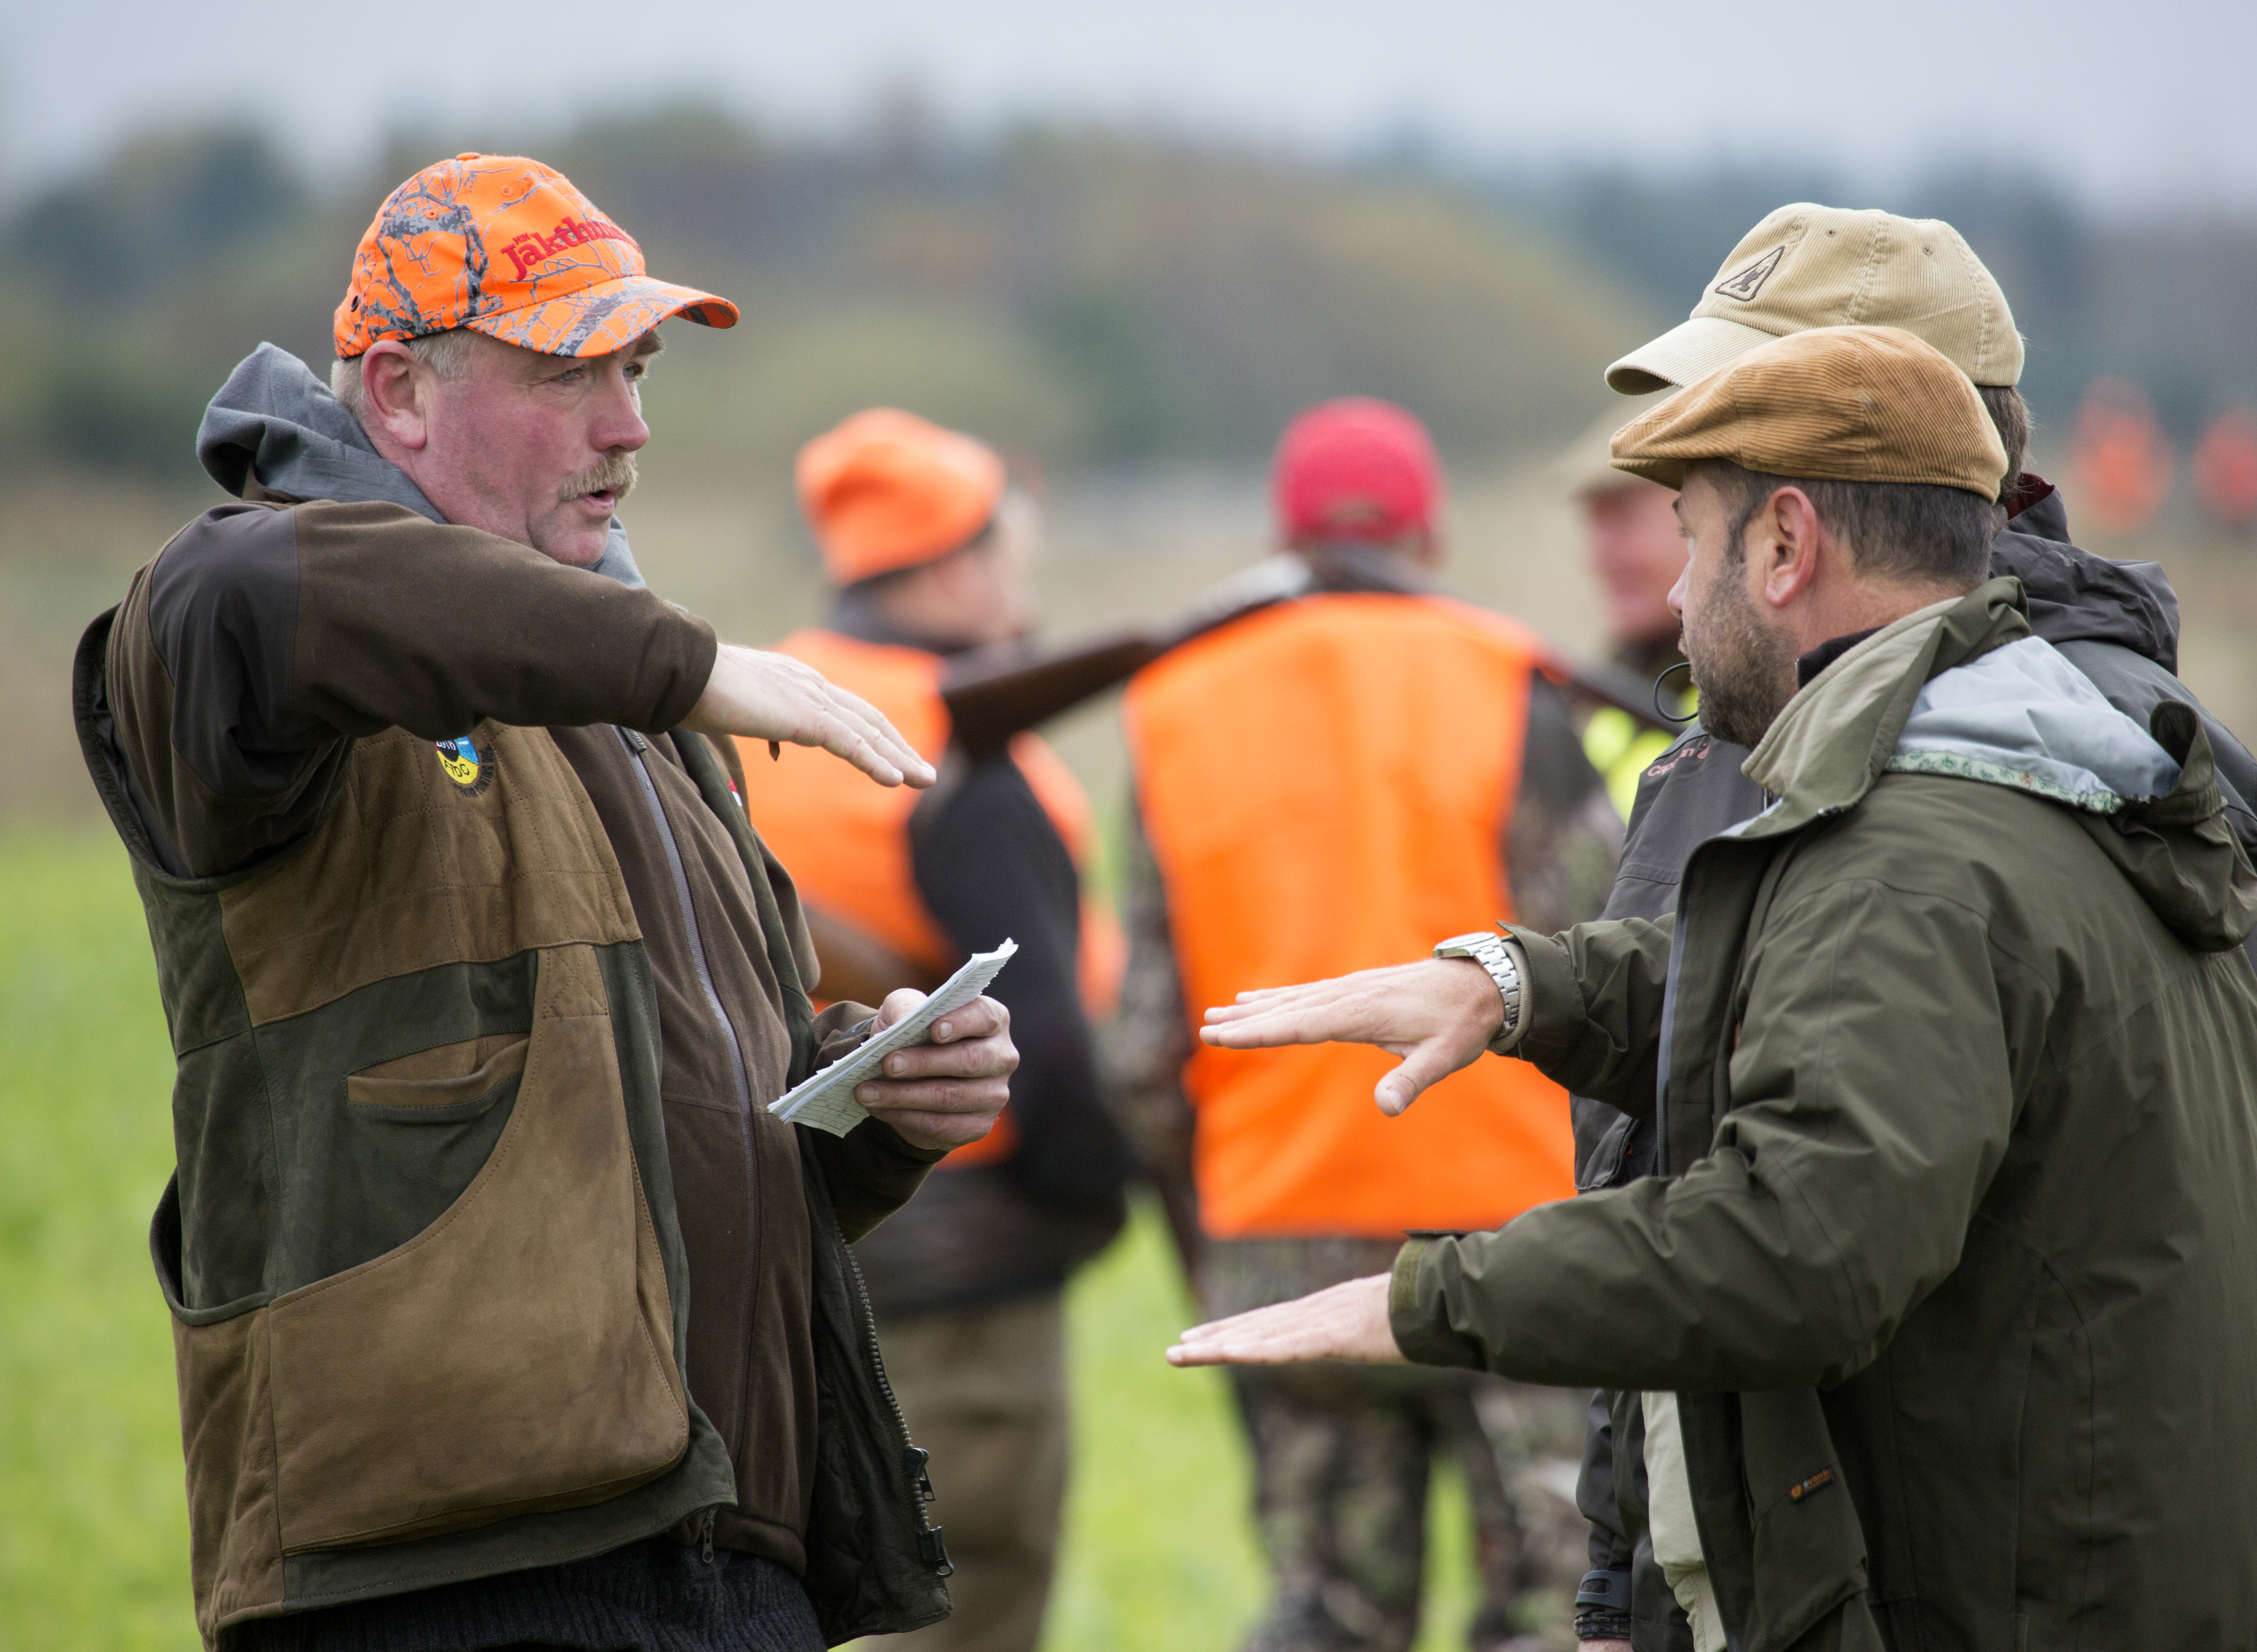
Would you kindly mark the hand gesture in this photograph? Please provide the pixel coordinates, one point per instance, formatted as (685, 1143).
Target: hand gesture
(1438, 1016)
(771, 697)
(1347, 1322)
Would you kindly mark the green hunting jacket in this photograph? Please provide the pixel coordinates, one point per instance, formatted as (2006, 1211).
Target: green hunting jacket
(1954, 1058)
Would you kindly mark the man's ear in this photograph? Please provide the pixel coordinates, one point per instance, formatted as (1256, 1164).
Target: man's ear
(395, 391)
(1792, 538)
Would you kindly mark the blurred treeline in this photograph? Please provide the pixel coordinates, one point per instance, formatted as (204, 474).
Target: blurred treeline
(1078, 297)
(1082, 296)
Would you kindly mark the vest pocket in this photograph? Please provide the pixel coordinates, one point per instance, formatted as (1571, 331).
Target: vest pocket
(517, 1354)
(445, 1086)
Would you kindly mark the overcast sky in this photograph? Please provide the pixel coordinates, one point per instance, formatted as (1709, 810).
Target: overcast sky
(2127, 104)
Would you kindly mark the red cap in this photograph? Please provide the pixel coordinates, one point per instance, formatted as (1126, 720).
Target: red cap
(1355, 469)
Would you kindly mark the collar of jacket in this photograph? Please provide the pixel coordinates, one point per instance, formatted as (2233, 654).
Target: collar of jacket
(274, 432)
(1823, 753)
(853, 614)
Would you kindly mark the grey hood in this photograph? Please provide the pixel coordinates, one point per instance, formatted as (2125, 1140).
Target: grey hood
(2076, 596)
(2022, 717)
(275, 420)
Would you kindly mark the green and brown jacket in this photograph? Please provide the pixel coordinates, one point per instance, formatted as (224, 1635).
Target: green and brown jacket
(483, 1253)
(1952, 1054)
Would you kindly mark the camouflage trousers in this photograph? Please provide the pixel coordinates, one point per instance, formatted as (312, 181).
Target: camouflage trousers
(1342, 1458)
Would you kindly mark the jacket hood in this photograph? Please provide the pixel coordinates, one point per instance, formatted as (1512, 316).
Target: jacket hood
(2072, 596)
(1961, 688)
(275, 422)
(2022, 717)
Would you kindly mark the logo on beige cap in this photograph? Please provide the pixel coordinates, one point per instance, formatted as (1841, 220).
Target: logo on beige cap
(1749, 282)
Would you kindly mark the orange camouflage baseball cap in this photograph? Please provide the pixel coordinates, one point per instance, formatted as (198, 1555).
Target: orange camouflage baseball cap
(506, 247)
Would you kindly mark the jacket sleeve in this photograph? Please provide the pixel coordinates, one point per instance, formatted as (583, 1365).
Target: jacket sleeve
(273, 638)
(990, 865)
(872, 1171)
(1609, 1547)
(1594, 995)
(1871, 1103)
(408, 623)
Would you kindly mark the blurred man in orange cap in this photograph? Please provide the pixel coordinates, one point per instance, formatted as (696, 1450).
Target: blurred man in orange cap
(1308, 778)
(482, 988)
(931, 552)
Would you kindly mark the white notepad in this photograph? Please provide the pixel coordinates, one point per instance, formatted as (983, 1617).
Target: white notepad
(825, 1099)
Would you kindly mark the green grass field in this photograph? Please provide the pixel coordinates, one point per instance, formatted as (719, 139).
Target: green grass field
(92, 1531)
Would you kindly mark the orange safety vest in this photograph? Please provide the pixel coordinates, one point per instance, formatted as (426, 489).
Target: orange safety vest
(1327, 787)
(846, 839)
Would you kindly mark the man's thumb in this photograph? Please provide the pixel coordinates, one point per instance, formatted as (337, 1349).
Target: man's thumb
(1425, 1065)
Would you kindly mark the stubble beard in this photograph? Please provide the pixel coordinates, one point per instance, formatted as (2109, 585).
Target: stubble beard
(1744, 670)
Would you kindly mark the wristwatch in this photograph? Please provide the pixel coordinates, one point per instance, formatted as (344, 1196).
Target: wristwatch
(1493, 953)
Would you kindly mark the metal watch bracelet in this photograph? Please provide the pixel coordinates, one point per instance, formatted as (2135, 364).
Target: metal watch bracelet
(1495, 954)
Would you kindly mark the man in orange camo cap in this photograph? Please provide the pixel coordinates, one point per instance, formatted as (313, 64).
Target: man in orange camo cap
(482, 986)
(931, 552)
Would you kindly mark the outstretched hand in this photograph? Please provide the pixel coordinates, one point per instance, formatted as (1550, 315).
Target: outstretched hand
(772, 696)
(1347, 1322)
(1437, 1015)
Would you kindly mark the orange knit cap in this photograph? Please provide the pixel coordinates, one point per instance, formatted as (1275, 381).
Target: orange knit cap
(888, 489)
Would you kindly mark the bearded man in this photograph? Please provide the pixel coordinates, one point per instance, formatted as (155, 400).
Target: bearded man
(1805, 265)
(480, 984)
(1939, 1302)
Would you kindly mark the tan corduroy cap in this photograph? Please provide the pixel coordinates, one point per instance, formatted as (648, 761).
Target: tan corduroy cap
(1835, 404)
(1808, 266)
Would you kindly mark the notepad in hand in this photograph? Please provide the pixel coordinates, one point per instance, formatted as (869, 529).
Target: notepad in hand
(825, 1099)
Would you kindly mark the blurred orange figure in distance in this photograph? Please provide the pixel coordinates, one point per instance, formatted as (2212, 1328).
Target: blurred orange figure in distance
(2226, 469)
(2122, 459)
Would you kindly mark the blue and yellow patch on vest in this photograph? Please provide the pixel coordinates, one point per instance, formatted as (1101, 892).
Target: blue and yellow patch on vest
(466, 766)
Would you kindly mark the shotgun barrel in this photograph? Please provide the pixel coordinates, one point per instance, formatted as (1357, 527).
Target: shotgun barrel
(993, 694)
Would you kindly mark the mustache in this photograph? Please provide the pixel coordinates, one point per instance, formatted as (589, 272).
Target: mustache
(615, 474)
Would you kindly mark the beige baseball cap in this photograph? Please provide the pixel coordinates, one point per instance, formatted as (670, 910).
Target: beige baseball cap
(1807, 266)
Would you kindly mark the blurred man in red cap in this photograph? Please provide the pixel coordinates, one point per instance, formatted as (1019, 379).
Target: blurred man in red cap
(505, 1313)
(931, 552)
(1308, 778)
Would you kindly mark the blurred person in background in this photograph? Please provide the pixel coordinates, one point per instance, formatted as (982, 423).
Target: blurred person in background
(931, 551)
(1940, 1303)
(1632, 548)
(505, 1313)
(1313, 782)
(1807, 266)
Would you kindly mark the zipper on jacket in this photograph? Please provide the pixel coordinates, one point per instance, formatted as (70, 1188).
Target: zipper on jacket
(637, 748)
(914, 1459)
